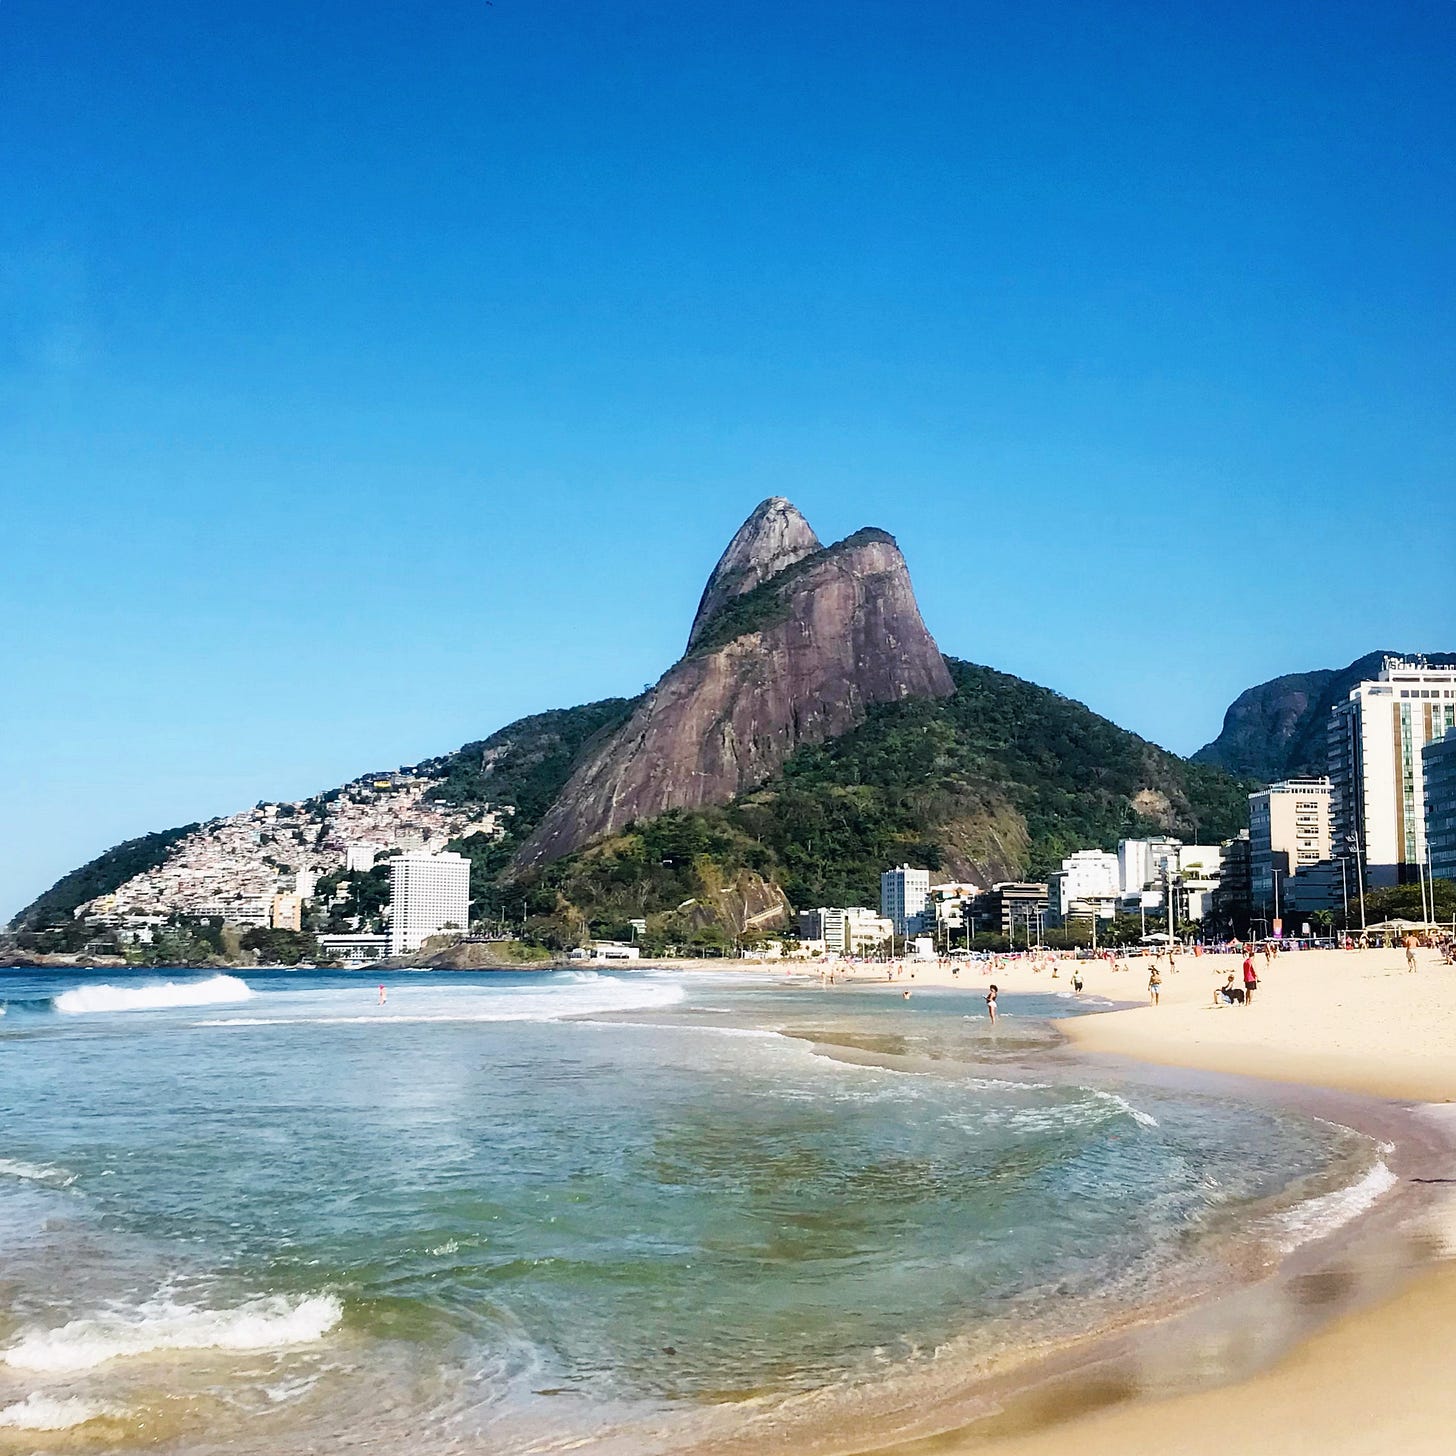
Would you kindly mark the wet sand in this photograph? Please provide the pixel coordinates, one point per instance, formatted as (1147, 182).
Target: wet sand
(1346, 1351)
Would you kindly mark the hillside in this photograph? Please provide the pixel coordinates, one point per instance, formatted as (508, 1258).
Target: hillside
(998, 781)
(99, 876)
(1277, 729)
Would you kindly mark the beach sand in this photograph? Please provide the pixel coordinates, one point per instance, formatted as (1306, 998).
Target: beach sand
(1375, 1380)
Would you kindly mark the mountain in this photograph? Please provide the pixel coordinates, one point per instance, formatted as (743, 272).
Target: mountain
(772, 539)
(999, 780)
(811, 735)
(792, 644)
(1277, 729)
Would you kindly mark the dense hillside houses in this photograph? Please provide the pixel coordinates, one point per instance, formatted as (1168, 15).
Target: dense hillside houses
(257, 867)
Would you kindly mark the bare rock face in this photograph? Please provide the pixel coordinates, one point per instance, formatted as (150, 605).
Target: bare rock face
(796, 658)
(773, 538)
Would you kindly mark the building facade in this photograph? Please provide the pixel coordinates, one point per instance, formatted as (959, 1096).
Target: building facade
(1088, 883)
(1015, 908)
(1439, 764)
(1376, 739)
(1141, 863)
(903, 893)
(428, 893)
(850, 930)
(1291, 859)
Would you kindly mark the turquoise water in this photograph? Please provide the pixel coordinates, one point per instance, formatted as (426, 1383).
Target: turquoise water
(511, 1213)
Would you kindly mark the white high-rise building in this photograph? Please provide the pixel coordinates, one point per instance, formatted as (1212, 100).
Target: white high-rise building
(1376, 772)
(903, 893)
(1087, 884)
(1141, 862)
(427, 894)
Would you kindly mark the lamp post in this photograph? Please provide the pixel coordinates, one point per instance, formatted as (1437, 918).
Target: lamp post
(1359, 877)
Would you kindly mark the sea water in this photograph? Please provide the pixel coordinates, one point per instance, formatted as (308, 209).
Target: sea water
(517, 1213)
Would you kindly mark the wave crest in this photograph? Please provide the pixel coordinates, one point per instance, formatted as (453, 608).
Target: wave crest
(215, 991)
(50, 1413)
(36, 1173)
(1316, 1217)
(262, 1324)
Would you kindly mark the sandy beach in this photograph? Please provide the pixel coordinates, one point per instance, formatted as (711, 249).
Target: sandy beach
(1374, 1380)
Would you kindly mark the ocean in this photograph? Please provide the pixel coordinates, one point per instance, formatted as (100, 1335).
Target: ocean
(638, 1212)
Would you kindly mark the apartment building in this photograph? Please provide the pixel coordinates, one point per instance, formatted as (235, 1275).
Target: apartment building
(428, 893)
(1439, 765)
(1291, 861)
(903, 893)
(1376, 743)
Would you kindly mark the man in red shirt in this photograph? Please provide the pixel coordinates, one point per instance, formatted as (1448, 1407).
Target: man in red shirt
(1251, 981)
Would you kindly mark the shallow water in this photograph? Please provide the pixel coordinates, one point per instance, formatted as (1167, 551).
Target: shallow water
(508, 1213)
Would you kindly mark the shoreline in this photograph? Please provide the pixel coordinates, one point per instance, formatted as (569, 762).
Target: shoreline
(1360, 1369)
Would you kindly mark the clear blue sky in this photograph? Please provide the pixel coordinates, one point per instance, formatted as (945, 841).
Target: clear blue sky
(373, 374)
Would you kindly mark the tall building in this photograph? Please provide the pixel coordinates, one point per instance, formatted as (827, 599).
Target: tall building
(1439, 763)
(1141, 862)
(1087, 884)
(903, 893)
(1375, 742)
(427, 893)
(1231, 903)
(286, 912)
(1291, 860)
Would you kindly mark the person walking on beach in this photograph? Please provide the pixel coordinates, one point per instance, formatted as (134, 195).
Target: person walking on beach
(1251, 981)
(1410, 952)
(991, 1004)
(1155, 983)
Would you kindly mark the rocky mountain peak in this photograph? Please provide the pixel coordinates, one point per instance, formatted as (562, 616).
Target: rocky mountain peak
(787, 657)
(775, 537)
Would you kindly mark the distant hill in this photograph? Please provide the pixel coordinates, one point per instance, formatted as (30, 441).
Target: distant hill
(99, 876)
(1277, 729)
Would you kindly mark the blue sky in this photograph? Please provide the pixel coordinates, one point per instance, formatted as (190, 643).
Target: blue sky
(372, 375)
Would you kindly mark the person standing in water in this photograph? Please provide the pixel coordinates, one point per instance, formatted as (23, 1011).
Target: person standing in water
(382, 996)
(991, 1003)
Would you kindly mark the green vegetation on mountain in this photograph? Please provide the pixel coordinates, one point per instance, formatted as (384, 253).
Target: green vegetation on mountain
(999, 781)
(526, 764)
(99, 876)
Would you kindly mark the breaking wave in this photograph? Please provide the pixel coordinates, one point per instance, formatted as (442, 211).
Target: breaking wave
(215, 991)
(262, 1324)
(50, 1413)
(550, 1001)
(36, 1173)
(1316, 1217)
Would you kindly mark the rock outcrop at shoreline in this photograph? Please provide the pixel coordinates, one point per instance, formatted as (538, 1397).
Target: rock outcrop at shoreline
(780, 655)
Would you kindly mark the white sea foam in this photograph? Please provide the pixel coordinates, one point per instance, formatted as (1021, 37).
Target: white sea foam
(1143, 1119)
(584, 997)
(36, 1173)
(274, 1323)
(50, 1413)
(1317, 1217)
(214, 991)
